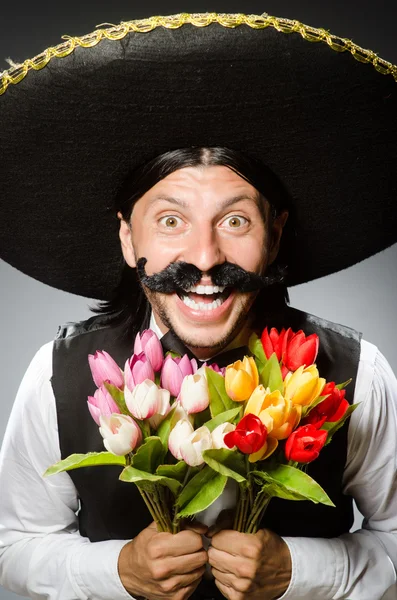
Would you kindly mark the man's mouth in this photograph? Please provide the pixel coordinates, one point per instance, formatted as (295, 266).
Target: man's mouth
(205, 297)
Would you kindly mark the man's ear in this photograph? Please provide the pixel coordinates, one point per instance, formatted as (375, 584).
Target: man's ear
(126, 242)
(276, 233)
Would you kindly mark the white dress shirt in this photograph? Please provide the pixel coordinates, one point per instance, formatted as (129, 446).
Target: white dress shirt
(42, 554)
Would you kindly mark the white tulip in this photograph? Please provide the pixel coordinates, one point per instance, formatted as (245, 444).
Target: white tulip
(120, 434)
(182, 430)
(219, 433)
(193, 447)
(145, 400)
(194, 395)
(163, 408)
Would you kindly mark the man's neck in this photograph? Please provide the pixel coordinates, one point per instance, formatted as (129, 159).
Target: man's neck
(241, 339)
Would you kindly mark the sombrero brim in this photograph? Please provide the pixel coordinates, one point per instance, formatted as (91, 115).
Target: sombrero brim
(72, 130)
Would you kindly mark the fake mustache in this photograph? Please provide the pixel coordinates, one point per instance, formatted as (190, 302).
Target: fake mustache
(181, 276)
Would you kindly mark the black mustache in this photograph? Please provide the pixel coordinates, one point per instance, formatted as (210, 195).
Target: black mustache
(180, 276)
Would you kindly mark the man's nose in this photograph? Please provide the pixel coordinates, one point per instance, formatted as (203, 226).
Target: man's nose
(204, 250)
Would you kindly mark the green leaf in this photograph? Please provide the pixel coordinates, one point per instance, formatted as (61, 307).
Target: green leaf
(164, 429)
(227, 462)
(201, 492)
(177, 471)
(256, 348)
(224, 417)
(201, 418)
(270, 376)
(340, 386)
(147, 481)
(118, 397)
(149, 455)
(317, 401)
(219, 400)
(92, 459)
(290, 483)
(332, 428)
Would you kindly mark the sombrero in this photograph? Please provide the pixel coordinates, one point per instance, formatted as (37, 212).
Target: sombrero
(76, 119)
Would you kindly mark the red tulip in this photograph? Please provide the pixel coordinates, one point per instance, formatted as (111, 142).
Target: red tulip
(329, 410)
(300, 350)
(275, 342)
(304, 444)
(249, 436)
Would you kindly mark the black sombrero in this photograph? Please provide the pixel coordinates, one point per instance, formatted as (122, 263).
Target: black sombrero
(77, 118)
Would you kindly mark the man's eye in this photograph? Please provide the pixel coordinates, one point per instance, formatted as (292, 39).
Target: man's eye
(235, 222)
(170, 221)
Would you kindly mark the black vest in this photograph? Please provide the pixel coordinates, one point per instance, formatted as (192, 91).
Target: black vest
(111, 509)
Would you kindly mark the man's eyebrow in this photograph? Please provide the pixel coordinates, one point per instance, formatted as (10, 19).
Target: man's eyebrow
(229, 202)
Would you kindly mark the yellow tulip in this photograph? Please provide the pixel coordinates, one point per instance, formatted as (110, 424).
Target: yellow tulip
(303, 386)
(267, 449)
(277, 413)
(241, 378)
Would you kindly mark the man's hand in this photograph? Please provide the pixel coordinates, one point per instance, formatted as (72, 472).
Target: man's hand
(161, 566)
(250, 566)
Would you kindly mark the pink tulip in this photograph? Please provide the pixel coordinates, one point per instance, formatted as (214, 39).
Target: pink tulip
(214, 367)
(101, 403)
(149, 343)
(137, 369)
(179, 434)
(104, 368)
(120, 434)
(146, 399)
(173, 372)
(194, 395)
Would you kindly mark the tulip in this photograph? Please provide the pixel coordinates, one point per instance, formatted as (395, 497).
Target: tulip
(214, 367)
(241, 378)
(303, 386)
(163, 408)
(275, 342)
(278, 414)
(194, 395)
(219, 433)
(331, 409)
(301, 351)
(101, 403)
(179, 434)
(146, 399)
(304, 444)
(193, 447)
(120, 434)
(249, 436)
(138, 368)
(104, 368)
(173, 372)
(149, 343)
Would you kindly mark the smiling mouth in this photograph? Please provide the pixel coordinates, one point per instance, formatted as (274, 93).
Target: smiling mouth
(205, 297)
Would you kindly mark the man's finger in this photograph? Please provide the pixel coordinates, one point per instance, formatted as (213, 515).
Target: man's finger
(196, 526)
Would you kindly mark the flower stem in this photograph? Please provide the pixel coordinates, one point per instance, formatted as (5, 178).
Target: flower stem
(151, 509)
(258, 510)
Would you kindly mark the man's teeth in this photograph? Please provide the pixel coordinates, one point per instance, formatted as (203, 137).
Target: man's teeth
(205, 289)
(201, 305)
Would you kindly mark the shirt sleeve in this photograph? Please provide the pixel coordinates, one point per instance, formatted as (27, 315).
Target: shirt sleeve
(360, 565)
(42, 554)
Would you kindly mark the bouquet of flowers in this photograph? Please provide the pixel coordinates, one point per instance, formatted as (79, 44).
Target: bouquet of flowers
(180, 432)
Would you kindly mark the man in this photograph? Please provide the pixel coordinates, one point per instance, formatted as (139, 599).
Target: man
(205, 207)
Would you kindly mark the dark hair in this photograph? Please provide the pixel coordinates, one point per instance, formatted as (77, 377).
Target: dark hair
(128, 303)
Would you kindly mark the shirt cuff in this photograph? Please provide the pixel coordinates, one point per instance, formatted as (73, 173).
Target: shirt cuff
(94, 571)
(317, 568)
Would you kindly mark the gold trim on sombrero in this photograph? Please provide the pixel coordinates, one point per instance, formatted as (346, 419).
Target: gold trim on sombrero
(116, 32)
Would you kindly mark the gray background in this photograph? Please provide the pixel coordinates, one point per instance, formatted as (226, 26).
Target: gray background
(363, 297)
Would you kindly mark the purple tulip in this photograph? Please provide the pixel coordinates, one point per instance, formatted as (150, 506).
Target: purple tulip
(173, 372)
(104, 368)
(149, 343)
(102, 403)
(137, 369)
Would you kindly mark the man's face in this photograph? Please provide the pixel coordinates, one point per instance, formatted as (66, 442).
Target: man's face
(203, 216)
